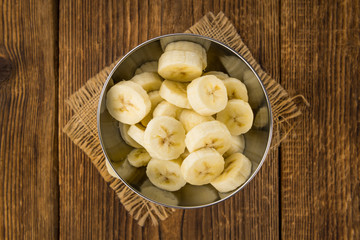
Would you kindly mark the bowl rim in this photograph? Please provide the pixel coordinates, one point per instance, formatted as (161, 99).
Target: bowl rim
(101, 96)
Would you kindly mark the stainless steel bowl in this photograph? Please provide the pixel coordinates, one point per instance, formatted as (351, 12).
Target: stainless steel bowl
(220, 58)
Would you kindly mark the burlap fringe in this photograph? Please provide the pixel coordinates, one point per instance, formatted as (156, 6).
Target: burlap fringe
(82, 129)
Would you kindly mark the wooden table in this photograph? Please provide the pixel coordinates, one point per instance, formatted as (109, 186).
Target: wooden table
(50, 190)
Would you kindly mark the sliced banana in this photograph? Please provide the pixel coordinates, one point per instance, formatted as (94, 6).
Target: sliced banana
(182, 66)
(147, 67)
(237, 145)
(155, 99)
(124, 128)
(190, 119)
(175, 93)
(185, 154)
(261, 117)
(110, 169)
(165, 174)
(235, 89)
(198, 195)
(189, 46)
(128, 102)
(207, 95)
(219, 75)
(213, 134)
(149, 81)
(158, 195)
(138, 157)
(237, 171)
(237, 116)
(202, 166)
(164, 138)
(167, 109)
(125, 170)
(136, 132)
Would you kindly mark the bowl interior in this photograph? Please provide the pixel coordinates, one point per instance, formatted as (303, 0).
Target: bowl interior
(220, 58)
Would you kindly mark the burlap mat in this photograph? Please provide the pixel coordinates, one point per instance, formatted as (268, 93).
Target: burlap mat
(82, 127)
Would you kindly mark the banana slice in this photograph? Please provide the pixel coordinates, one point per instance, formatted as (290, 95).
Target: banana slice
(185, 154)
(190, 119)
(207, 95)
(158, 195)
(147, 67)
(138, 157)
(236, 89)
(110, 169)
(182, 66)
(128, 102)
(164, 138)
(166, 109)
(124, 128)
(149, 81)
(165, 174)
(136, 132)
(198, 195)
(125, 170)
(202, 166)
(155, 99)
(237, 116)
(213, 134)
(189, 46)
(261, 118)
(237, 171)
(237, 145)
(175, 93)
(219, 75)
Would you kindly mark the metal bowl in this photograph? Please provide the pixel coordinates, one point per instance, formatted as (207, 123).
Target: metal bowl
(220, 58)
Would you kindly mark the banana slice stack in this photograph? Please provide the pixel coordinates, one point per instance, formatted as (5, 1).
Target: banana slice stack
(185, 126)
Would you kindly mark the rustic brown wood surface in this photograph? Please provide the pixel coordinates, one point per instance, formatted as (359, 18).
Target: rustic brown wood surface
(309, 188)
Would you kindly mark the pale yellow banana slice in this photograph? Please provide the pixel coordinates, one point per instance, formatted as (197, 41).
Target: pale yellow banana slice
(175, 93)
(202, 166)
(235, 89)
(137, 132)
(124, 128)
(237, 116)
(185, 154)
(213, 134)
(155, 99)
(138, 157)
(147, 67)
(189, 46)
(237, 145)
(219, 75)
(164, 138)
(158, 195)
(182, 66)
(237, 171)
(165, 174)
(207, 95)
(110, 169)
(167, 109)
(261, 117)
(190, 119)
(128, 102)
(149, 81)
(198, 195)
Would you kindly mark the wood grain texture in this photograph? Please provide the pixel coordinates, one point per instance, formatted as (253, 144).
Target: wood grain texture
(320, 184)
(310, 188)
(28, 149)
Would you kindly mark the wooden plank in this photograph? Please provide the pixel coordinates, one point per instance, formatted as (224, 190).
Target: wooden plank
(320, 164)
(28, 120)
(88, 208)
